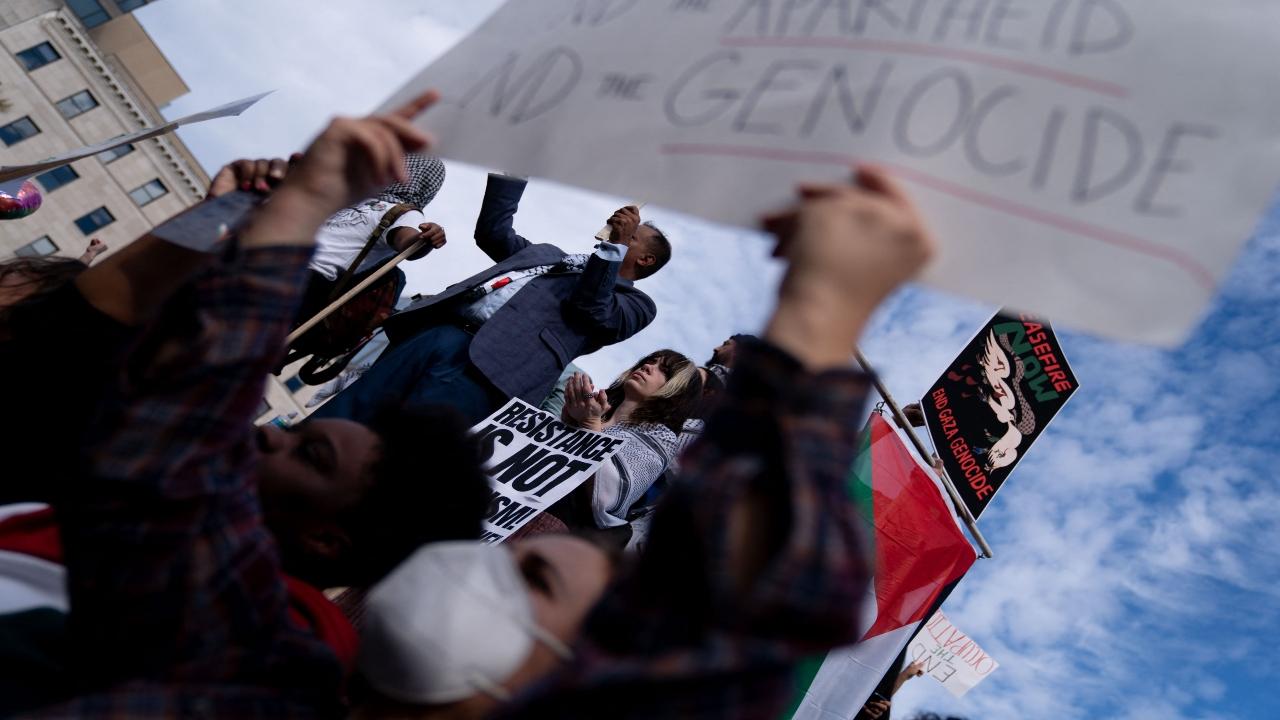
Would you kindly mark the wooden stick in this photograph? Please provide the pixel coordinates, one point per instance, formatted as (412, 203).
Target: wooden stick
(333, 306)
(928, 455)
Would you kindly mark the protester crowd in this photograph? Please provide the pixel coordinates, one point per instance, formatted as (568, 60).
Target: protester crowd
(182, 562)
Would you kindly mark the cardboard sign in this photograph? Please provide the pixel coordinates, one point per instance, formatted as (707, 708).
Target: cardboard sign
(1082, 159)
(534, 460)
(18, 172)
(994, 400)
(949, 656)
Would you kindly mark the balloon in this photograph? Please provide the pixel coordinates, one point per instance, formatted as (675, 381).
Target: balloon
(21, 205)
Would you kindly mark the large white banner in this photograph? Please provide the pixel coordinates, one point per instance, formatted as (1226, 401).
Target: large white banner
(949, 656)
(533, 460)
(1096, 161)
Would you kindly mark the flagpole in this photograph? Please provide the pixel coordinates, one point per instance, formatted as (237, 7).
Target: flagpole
(925, 453)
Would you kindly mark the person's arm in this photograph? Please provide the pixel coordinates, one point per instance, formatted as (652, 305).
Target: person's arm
(915, 669)
(495, 234)
(91, 252)
(170, 570)
(402, 237)
(610, 316)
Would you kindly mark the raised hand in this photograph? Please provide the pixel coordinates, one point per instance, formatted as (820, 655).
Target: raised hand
(261, 176)
(622, 225)
(353, 158)
(347, 162)
(848, 246)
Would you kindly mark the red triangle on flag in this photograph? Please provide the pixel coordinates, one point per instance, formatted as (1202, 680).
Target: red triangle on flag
(919, 546)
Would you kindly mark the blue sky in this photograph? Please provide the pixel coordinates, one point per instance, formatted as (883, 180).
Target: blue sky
(1137, 569)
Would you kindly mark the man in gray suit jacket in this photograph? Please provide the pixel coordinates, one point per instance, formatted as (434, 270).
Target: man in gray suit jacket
(510, 330)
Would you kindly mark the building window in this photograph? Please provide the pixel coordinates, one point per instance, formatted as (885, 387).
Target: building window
(90, 12)
(99, 218)
(149, 193)
(131, 5)
(38, 56)
(39, 247)
(115, 153)
(78, 104)
(18, 130)
(57, 177)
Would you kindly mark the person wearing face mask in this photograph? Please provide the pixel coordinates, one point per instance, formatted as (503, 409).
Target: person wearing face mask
(756, 562)
(647, 406)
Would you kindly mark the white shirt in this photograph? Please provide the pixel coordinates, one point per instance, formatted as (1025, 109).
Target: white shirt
(498, 290)
(343, 236)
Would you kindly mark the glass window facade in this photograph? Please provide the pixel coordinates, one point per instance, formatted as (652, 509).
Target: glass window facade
(95, 220)
(57, 177)
(18, 130)
(78, 104)
(39, 247)
(90, 12)
(38, 56)
(108, 156)
(149, 193)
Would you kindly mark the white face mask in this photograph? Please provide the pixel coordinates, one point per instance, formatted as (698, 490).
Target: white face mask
(453, 620)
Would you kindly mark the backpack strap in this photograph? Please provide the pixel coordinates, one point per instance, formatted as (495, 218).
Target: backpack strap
(388, 219)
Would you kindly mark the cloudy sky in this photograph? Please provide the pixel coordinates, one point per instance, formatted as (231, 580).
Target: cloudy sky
(1137, 570)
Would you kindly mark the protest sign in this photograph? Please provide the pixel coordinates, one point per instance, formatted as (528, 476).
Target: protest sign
(10, 173)
(994, 401)
(533, 460)
(949, 656)
(1083, 159)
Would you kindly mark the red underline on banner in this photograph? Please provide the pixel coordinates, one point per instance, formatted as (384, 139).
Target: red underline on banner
(1082, 82)
(1198, 272)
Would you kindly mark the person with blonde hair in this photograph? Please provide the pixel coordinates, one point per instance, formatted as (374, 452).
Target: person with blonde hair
(647, 405)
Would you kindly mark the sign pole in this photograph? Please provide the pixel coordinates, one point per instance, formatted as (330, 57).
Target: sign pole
(925, 453)
(333, 306)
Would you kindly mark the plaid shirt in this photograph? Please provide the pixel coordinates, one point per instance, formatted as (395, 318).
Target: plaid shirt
(178, 604)
(674, 637)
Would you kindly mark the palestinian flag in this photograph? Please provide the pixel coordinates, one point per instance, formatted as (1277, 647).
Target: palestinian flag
(920, 548)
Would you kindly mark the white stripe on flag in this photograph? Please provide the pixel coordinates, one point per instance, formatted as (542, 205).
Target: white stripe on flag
(849, 675)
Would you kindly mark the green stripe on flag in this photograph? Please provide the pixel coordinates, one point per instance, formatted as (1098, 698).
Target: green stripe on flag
(860, 481)
(801, 678)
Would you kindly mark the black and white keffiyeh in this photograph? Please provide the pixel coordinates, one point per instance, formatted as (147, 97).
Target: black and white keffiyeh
(426, 175)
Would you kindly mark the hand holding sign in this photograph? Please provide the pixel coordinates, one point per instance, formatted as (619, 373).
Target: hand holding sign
(848, 246)
(622, 225)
